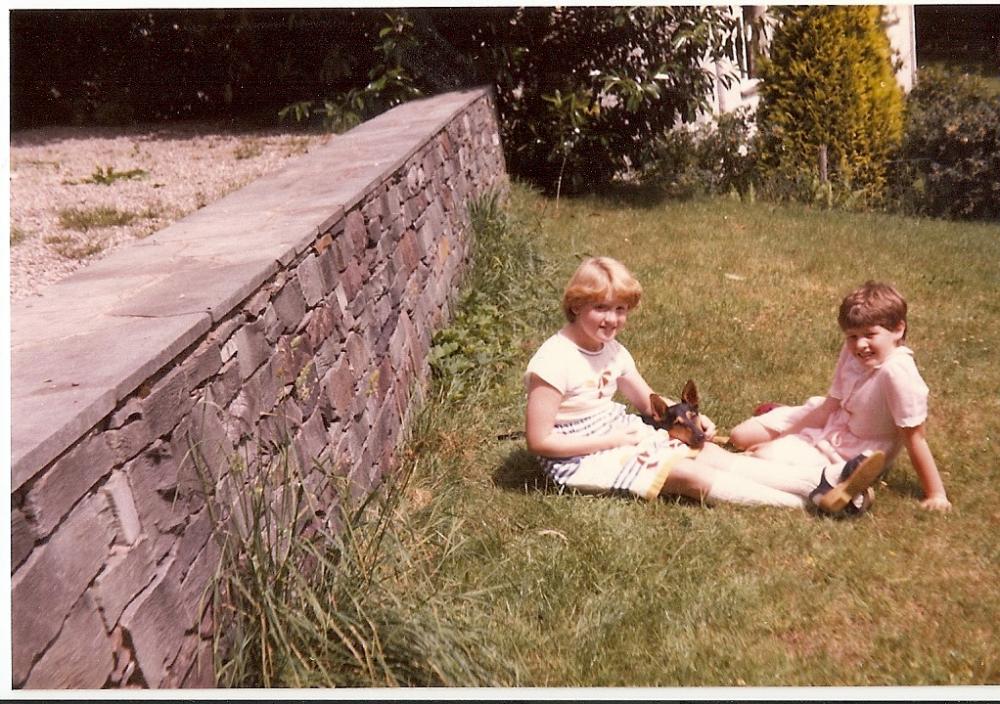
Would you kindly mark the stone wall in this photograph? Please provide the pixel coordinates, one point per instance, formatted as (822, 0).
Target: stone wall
(296, 312)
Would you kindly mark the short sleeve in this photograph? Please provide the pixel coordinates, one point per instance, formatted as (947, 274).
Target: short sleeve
(549, 366)
(905, 392)
(843, 379)
(625, 361)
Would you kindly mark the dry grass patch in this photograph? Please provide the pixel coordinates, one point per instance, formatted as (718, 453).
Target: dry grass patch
(74, 247)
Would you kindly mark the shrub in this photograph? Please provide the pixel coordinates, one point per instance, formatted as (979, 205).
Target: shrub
(829, 81)
(951, 152)
(715, 158)
(581, 91)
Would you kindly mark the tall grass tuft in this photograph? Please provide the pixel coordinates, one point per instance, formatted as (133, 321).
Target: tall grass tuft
(337, 595)
(502, 298)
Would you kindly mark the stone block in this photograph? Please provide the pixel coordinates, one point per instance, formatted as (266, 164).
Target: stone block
(52, 579)
(310, 444)
(343, 253)
(128, 571)
(384, 380)
(373, 226)
(66, 481)
(119, 496)
(291, 354)
(203, 364)
(129, 440)
(412, 210)
(354, 229)
(242, 413)
(312, 280)
(391, 203)
(202, 672)
(225, 386)
(358, 353)
(178, 669)
(276, 429)
(128, 411)
(22, 538)
(273, 327)
(153, 478)
(307, 390)
(290, 306)
(198, 578)
(353, 280)
(252, 348)
(80, 658)
(382, 312)
(339, 384)
(169, 400)
(327, 355)
(328, 269)
(203, 449)
(359, 310)
(321, 325)
(192, 542)
(266, 385)
(156, 622)
(410, 248)
(340, 296)
(412, 179)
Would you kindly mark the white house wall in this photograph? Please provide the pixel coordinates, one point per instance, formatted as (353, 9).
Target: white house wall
(742, 92)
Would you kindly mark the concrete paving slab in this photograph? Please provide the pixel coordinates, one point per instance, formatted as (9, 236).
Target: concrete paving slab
(215, 290)
(64, 386)
(56, 420)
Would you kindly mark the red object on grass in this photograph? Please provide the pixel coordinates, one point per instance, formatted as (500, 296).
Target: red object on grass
(765, 407)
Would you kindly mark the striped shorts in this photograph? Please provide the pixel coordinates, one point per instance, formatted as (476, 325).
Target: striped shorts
(640, 470)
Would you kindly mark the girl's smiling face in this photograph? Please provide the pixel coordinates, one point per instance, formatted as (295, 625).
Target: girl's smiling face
(872, 344)
(597, 323)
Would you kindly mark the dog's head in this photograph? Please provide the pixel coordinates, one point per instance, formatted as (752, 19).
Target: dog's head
(680, 420)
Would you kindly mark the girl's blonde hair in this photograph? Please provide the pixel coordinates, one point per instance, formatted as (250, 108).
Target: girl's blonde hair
(873, 303)
(598, 279)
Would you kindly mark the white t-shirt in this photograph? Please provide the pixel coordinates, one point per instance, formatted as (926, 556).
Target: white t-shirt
(586, 380)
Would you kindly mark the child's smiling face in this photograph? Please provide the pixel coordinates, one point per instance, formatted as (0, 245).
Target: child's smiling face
(597, 323)
(872, 344)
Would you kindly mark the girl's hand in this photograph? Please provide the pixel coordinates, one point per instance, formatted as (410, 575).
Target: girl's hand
(936, 503)
(624, 438)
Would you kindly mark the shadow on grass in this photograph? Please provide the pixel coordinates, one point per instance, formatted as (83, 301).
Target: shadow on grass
(521, 471)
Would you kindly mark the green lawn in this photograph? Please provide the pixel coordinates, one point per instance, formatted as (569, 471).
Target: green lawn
(485, 576)
(589, 591)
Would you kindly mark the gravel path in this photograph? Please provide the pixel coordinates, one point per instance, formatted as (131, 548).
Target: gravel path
(62, 217)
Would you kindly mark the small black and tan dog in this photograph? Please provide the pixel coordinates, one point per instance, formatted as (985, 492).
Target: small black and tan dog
(681, 420)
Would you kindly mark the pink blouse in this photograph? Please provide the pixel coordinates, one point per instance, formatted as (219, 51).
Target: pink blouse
(874, 404)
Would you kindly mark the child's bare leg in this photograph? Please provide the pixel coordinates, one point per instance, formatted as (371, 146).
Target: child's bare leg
(702, 482)
(749, 433)
(798, 479)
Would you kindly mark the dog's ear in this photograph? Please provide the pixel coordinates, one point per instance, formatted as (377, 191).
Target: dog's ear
(658, 405)
(690, 393)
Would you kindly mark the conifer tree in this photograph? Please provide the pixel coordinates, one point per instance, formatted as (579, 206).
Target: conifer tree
(829, 82)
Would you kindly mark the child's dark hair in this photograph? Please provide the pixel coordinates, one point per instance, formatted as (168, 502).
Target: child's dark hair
(873, 303)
